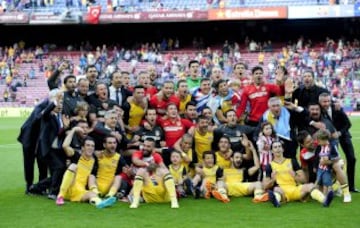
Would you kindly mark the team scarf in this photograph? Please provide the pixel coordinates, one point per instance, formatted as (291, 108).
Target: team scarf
(218, 101)
(201, 99)
(282, 124)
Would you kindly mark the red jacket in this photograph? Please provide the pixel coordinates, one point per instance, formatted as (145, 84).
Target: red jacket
(258, 97)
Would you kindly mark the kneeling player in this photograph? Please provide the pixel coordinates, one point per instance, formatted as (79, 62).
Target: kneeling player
(287, 174)
(234, 176)
(76, 177)
(152, 178)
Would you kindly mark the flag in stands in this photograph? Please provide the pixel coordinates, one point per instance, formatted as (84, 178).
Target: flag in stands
(94, 14)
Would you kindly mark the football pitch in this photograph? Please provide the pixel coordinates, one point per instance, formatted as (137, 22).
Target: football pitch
(20, 210)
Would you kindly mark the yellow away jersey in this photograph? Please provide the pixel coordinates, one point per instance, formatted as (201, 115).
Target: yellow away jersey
(233, 175)
(283, 172)
(202, 143)
(183, 103)
(136, 114)
(106, 168)
(189, 153)
(177, 174)
(221, 161)
(210, 174)
(84, 168)
(226, 106)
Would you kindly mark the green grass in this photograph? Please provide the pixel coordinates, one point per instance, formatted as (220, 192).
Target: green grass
(20, 210)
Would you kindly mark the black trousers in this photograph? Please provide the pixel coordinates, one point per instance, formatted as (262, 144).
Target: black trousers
(290, 148)
(29, 156)
(56, 159)
(348, 148)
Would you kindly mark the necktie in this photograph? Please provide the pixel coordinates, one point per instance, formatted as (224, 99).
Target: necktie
(117, 96)
(60, 124)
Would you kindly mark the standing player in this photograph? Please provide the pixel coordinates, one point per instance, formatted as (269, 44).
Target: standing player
(258, 94)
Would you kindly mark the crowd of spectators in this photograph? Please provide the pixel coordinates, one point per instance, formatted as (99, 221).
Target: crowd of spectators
(170, 61)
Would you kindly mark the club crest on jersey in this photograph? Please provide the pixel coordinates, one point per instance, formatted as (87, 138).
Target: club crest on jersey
(157, 133)
(238, 133)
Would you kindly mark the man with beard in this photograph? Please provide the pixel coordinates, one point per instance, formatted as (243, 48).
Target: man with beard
(105, 179)
(317, 121)
(234, 131)
(258, 94)
(91, 75)
(151, 131)
(163, 98)
(234, 184)
(183, 94)
(152, 178)
(286, 173)
(238, 135)
(309, 160)
(203, 137)
(76, 178)
(342, 124)
(71, 98)
(308, 92)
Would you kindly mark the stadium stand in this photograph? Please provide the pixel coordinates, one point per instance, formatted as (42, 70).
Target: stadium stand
(26, 96)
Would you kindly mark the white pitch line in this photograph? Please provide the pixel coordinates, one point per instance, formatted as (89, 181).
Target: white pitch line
(9, 145)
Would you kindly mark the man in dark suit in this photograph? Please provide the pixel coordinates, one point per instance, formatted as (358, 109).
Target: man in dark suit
(109, 127)
(342, 124)
(308, 92)
(117, 91)
(28, 137)
(52, 134)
